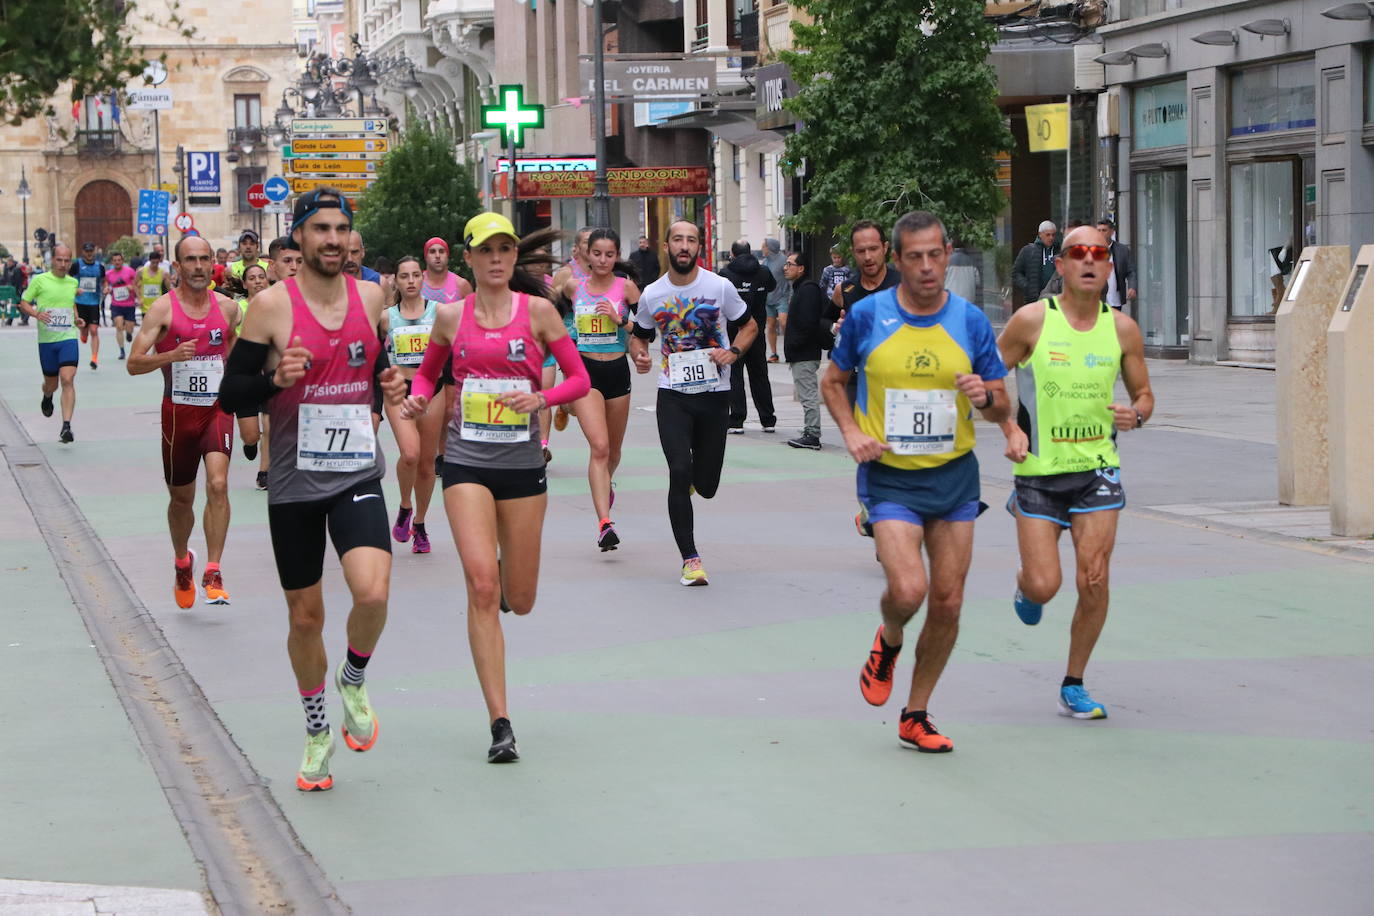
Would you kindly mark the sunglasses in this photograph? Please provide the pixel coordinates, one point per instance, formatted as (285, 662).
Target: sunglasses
(1082, 252)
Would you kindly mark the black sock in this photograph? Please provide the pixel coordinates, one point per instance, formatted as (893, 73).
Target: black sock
(1072, 682)
(353, 668)
(66, 424)
(418, 526)
(917, 714)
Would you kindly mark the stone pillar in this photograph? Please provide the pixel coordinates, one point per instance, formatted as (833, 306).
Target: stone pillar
(1350, 378)
(1300, 363)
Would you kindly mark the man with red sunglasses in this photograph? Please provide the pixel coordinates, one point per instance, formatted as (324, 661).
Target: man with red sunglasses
(1068, 351)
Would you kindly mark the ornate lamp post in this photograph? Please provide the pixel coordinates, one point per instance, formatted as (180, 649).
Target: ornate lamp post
(24, 194)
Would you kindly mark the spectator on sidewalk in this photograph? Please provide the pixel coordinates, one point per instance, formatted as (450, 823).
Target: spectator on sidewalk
(1035, 263)
(776, 304)
(806, 335)
(754, 282)
(1121, 281)
(645, 260)
(835, 273)
(961, 277)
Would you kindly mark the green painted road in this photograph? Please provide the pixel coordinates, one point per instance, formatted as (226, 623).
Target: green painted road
(689, 750)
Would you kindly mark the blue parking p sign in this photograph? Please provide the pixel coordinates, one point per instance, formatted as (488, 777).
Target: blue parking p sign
(202, 173)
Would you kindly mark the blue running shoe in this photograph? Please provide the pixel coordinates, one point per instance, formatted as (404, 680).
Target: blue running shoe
(1075, 702)
(1027, 610)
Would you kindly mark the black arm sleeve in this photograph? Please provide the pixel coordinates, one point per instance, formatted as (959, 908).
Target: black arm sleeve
(244, 386)
(644, 333)
(382, 362)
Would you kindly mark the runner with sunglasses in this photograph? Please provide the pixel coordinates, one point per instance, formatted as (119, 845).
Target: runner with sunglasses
(1068, 351)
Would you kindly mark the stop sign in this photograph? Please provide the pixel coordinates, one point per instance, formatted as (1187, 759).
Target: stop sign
(257, 196)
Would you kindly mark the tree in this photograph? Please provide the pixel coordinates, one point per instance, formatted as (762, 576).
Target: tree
(899, 106)
(126, 245)
(87, 42)
(421, 191)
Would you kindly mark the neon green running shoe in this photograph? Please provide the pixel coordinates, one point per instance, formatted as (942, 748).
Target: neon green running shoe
(360, 722)
(314, 775)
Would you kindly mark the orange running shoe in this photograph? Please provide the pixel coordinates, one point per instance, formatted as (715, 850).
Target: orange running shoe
(185, 588)
(875, 681)
(214, 587)
(917, 732)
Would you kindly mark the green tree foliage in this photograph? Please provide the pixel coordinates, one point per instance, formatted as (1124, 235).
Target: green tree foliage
(45, 43)
(420, 191)
(126, 245)
(899, 105)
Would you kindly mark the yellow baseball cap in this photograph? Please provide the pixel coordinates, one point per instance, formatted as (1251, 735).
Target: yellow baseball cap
(485, 225)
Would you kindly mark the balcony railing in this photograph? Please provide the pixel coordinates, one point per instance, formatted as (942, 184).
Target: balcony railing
(99, 142)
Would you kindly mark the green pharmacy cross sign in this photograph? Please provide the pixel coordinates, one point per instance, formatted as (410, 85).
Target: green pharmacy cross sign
(512, 116)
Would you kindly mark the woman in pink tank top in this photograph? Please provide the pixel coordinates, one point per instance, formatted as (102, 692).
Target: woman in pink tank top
(494, 487)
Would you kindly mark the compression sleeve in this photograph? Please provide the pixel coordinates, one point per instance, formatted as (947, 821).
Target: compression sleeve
(575, 382)
(244, 385)
(431, 367)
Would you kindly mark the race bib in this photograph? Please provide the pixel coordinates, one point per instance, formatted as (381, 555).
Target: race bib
(485, 419)
(152, 290)
(920, 422)
(59, 318)
(86, 285)
(335, 437)
(692, 371)
(593, 328)
(121, 294)
(408, 343)
(196, 381)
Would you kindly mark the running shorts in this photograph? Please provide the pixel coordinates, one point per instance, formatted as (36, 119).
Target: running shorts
(127, 312)
(611, 377)
(89, 314)
(1058, 497)
(504, 483)
(56, 354)
(189, 433)
(949, 492)
(354, 518)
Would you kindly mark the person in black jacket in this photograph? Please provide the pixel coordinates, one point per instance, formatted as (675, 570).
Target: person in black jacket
(1034, 266)
(645, 260)
(754, 282)
(806, 334)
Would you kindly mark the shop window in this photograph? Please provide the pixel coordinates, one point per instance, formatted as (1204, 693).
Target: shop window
(1274, 97)
(1161, 252)
(1160, 115)
(1265, 237)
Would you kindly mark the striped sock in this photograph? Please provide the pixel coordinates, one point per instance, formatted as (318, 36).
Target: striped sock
(316, 720)
(353, 667)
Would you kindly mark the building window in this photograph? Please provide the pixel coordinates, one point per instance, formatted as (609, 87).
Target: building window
(1162, 256)
(247, 111)
(1160, 115)
(245, 178)
(763, 172)
(1274, 97)
(1265, 237)
(734, 163)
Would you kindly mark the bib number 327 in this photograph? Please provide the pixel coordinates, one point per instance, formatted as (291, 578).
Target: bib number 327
(692, 371)
(335, 437)
(920, 422)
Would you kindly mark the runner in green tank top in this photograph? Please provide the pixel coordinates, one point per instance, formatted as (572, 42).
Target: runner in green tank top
(1068, 351)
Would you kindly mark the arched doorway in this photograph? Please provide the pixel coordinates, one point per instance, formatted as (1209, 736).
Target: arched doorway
(103, 214)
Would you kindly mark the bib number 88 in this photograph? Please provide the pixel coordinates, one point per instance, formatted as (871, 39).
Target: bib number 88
(198, 384)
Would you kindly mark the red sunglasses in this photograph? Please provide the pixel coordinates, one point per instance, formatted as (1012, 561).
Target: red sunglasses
(1081, 252)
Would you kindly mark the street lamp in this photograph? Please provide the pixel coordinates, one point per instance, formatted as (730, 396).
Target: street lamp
(24, 194)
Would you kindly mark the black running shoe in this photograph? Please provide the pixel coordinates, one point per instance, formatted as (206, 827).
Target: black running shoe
(66, 436)
(262, 480)
(503, 749)
(45, 405)
(250, 451)
(607, 539)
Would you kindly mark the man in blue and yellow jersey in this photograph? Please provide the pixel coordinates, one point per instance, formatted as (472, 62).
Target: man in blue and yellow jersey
(1068, 351)
(925, 360)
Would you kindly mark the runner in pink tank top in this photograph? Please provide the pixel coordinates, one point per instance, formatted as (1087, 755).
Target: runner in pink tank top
(441, 284)
(495, 491)
(188, 335)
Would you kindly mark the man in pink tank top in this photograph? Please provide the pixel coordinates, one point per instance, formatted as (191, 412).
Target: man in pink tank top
(441, 284)
(187, 333)
(317, 335)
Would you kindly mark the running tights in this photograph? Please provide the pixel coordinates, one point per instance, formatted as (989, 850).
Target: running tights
(691, 428)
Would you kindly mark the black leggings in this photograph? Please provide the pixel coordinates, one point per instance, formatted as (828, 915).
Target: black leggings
(691, 429)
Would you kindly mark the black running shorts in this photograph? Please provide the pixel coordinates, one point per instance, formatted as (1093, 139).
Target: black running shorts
(1059, 497)
(504, 483)
(355, 518)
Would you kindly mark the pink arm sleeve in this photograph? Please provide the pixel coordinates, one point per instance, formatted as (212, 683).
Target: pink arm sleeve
(431, 367)
(575, 380)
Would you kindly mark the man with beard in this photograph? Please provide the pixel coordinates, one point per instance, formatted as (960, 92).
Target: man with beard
(689, 307)
(187, 334)
(250, 248)
(318, 333)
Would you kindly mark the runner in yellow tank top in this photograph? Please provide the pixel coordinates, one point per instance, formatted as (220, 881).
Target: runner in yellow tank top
(1068, 351)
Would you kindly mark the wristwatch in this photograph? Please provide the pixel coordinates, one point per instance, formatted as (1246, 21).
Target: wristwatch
(737, 351)
(991, 399)
(1139, 419)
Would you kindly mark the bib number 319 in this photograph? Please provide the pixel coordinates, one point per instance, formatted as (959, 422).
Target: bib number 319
(692, 371)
